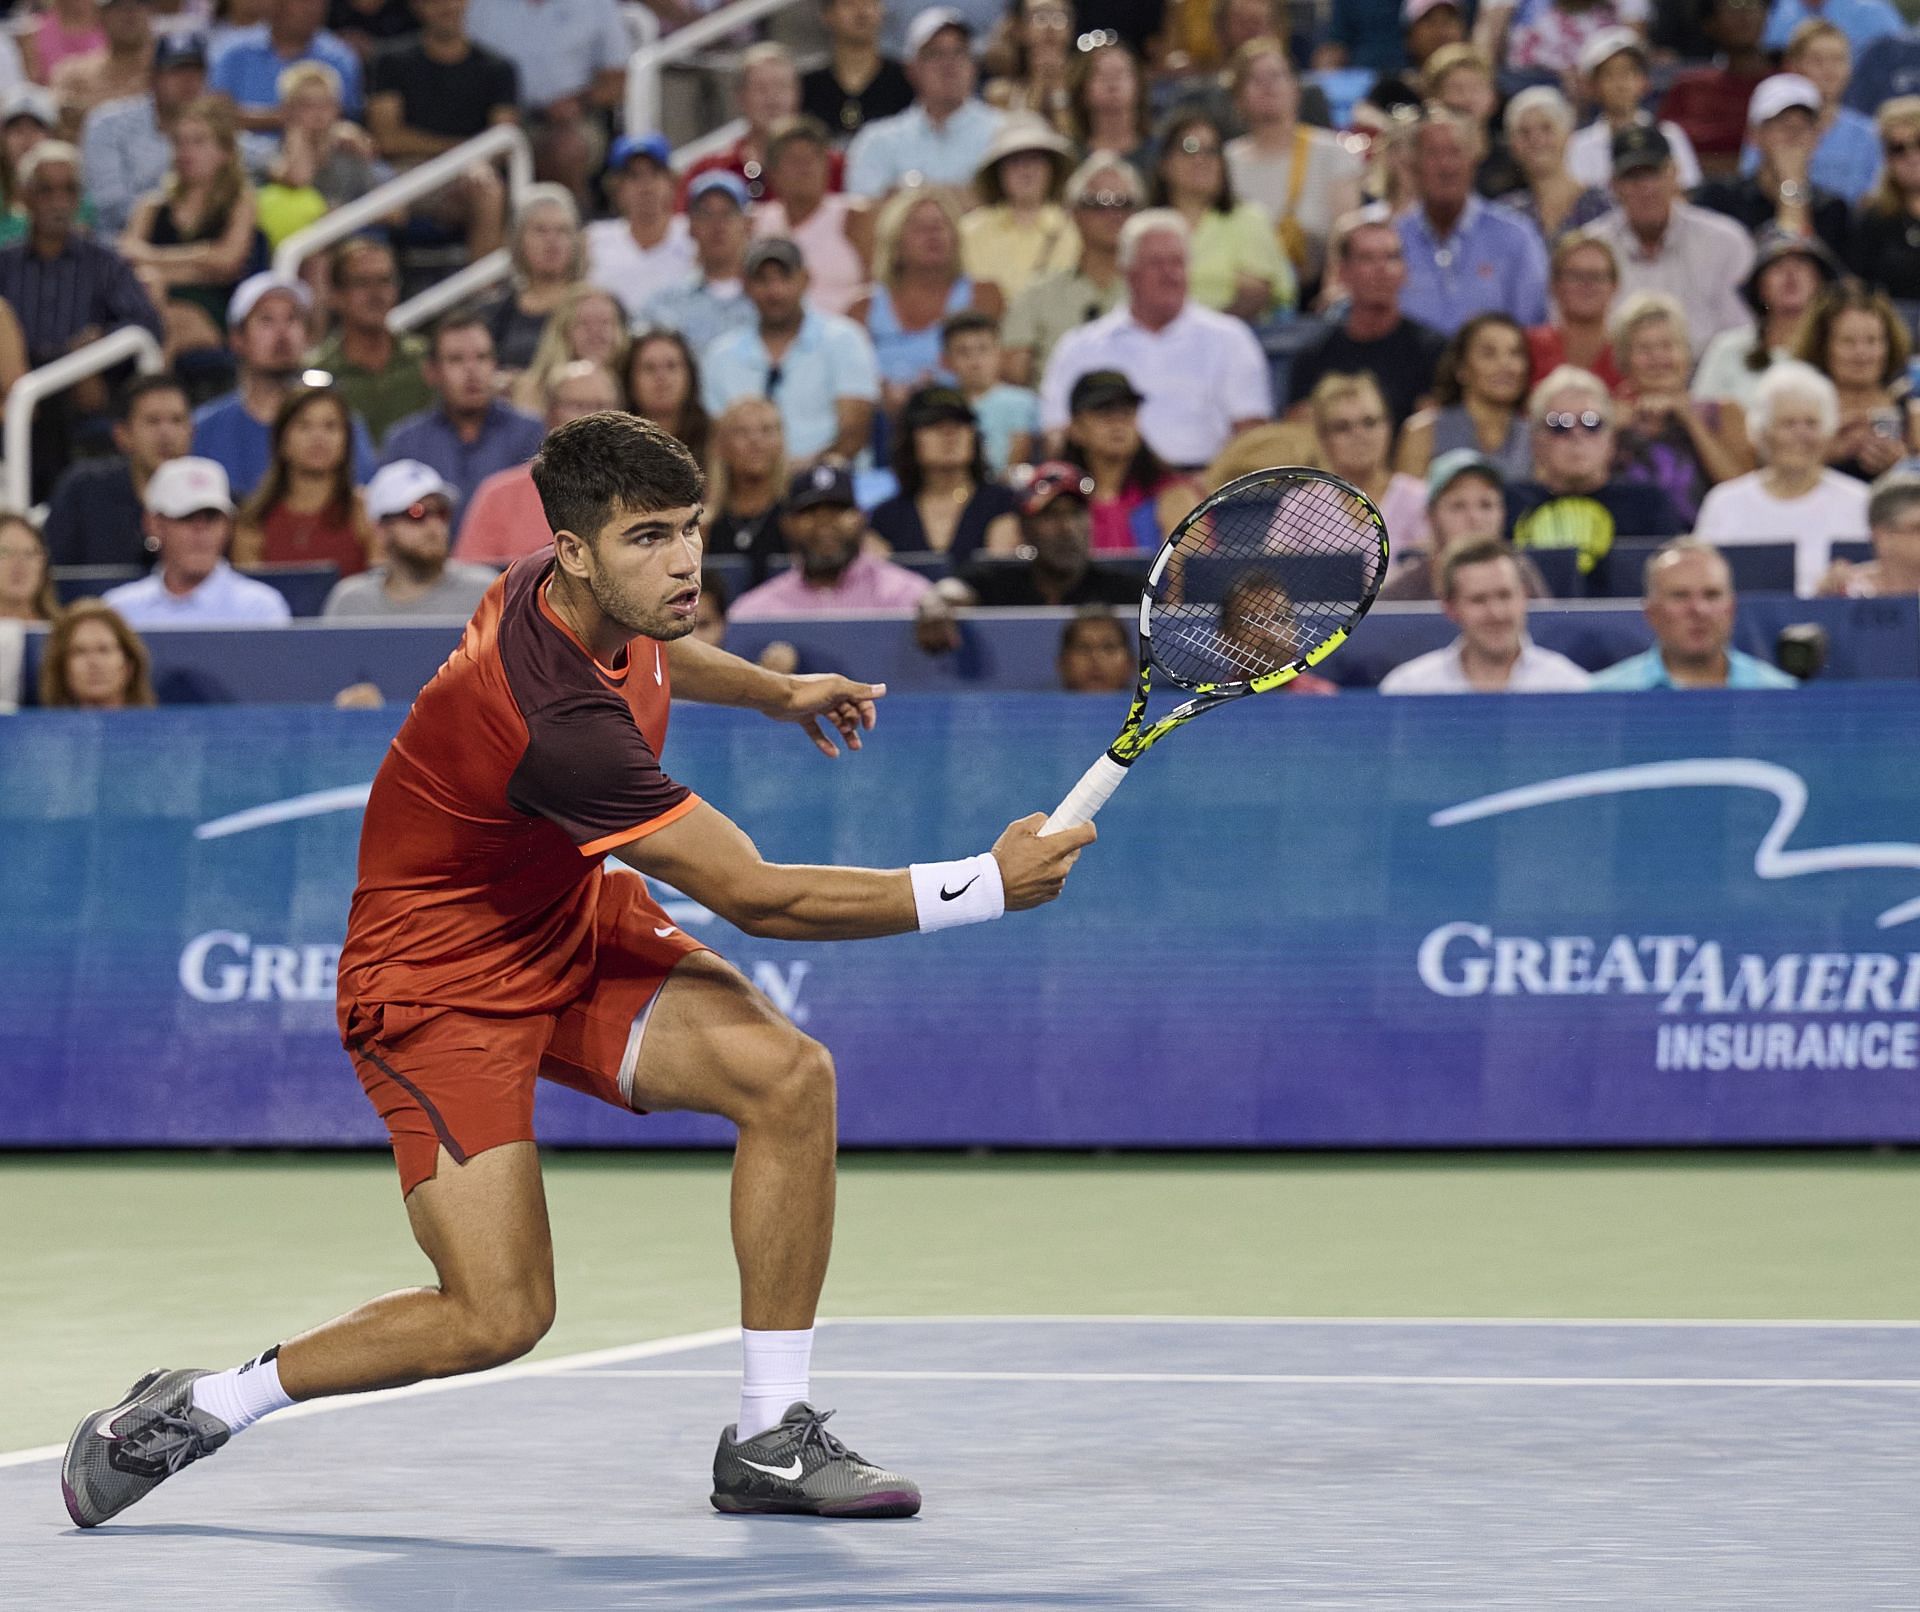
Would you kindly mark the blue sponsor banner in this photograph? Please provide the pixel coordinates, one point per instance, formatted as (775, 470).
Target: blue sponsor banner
(1593, 919)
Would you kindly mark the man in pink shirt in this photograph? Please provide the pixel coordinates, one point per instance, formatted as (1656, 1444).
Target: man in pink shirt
(504, 519)
(825, 529)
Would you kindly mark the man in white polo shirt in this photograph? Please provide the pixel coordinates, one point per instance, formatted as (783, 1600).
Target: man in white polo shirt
(1486, 598)
(190, 524)
(1202, 375)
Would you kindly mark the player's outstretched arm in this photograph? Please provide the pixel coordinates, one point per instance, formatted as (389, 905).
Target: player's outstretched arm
(714, 677)
(709, 857)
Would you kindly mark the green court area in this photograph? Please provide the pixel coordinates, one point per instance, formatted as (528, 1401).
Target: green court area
(112, 1264)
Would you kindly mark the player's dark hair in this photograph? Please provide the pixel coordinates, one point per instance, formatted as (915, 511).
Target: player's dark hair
(610, 461)
(146, 386)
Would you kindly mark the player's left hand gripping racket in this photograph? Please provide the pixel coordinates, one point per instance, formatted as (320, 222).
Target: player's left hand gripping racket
(1258, 583)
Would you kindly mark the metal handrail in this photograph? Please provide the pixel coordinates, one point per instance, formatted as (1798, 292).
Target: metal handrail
(436, 173)
(430, 304)
(16, 436)
(643, 66)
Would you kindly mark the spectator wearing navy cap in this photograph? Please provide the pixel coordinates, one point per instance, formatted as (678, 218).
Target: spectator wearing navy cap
(411, 507)
(1056, 526)
(831, 572)
(267, 328)
(1665, 244)
(646, 249)
(714, 300)
(817, 368)
(1783, 122)
(127, 145)
(944, 135)
(190, 520)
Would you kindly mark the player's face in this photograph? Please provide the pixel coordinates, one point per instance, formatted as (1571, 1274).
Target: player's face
(643, 570)
(1489, 606)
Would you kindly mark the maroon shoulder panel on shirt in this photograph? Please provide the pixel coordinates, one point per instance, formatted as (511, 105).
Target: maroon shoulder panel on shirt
(587, 769)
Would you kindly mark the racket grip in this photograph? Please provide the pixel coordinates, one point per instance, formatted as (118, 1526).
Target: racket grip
(1087, 797)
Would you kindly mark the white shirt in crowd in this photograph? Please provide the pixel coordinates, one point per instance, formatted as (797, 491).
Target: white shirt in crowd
(1198, 374)
(1743, 511)
(618, 263)
(1442, 671)
(13, 657)
(225, 599)
(1723, 375)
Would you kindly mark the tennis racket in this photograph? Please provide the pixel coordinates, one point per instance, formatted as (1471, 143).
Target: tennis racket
(1258, 583)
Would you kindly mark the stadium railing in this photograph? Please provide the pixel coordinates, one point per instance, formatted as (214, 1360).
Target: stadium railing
(645, 64)
(34, 387)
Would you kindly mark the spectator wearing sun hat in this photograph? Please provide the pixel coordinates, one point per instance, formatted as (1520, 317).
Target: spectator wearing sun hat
(944, 135)
(713, 301)
(1783, 122)
(1020, 233)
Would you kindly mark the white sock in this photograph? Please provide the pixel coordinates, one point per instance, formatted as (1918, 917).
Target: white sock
(773, 1374)
(242, 1396)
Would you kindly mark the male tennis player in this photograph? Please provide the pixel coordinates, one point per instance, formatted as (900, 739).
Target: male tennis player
(487, 945)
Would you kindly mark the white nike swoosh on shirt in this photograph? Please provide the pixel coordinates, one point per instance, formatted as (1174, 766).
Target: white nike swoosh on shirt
(656, 665)
(663, 933)
(775, 1471)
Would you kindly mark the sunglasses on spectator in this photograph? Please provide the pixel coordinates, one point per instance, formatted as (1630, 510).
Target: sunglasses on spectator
(1901, 148)
(1194, 146)
(426, 509)
(1106, 201)
(1096, 39)
(1586, 420)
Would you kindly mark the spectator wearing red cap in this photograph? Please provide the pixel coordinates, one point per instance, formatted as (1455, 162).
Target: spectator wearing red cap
(190, 519)
(1710, 103)
(1783, 120)
(831, 573)
(1056, 525)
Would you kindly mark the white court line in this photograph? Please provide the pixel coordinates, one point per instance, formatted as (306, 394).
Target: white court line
(1304, 1379)
(479, 1379)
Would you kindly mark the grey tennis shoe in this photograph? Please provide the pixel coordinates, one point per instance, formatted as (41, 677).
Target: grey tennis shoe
(798, 1467)
(118, 1455)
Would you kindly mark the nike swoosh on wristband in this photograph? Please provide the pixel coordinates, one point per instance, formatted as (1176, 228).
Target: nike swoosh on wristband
(789, 1472)
(955, 895)
(663, 933)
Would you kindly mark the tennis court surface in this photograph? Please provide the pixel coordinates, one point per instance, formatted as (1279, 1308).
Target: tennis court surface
(1073, 1462)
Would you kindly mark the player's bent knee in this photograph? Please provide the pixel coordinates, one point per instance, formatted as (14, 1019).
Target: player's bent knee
(503, 1330)
(796, 1089)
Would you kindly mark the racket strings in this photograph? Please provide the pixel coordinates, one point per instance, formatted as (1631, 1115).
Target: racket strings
(1263, 577)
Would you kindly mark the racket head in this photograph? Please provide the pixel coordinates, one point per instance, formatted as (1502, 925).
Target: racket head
(1261, 581)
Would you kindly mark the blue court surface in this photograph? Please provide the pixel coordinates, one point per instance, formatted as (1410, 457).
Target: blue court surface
(1070, 1463)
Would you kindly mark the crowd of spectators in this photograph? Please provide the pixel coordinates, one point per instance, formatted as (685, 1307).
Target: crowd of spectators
(1005, 286)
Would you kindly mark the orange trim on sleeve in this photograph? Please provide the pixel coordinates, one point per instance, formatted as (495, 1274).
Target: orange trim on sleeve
(672, 814)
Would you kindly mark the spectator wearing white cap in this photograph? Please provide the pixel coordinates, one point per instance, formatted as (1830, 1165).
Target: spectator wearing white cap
(944, 135)
(411, 507)
(267, 327)
(1613, 74)
(1847, 158)
(1783, 123)
(190, 524)
(1202, 376)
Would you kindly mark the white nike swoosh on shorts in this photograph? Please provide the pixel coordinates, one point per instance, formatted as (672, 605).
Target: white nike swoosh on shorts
(789, 1472)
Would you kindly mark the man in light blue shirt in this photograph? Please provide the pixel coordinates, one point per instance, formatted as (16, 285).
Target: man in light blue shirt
(1862, 21)
(817, 369)
(714, 301)
(190, 516)
(1463, 256)
(945, 133)
(1689, 605)
(247, 71)
(572, 56)
(124, 148)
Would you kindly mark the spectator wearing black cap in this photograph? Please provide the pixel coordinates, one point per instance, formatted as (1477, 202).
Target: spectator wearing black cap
(126, 145)
(1055, 534)
(817, 368)
(1788, 274)
(831, 572)
(857, 85)
(1783, 122)
(946, 503)
(122, 66)
(1135, 498)
(1710, 103)
(1665, 244)
(945, 133)
(95, 515)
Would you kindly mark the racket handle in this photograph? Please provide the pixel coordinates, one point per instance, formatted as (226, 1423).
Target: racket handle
(1087, 797)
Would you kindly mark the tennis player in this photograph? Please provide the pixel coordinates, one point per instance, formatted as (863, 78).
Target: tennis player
(488, 945)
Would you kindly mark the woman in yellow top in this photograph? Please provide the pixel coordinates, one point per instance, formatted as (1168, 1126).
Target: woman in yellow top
(1020, 233)
(1236, 264)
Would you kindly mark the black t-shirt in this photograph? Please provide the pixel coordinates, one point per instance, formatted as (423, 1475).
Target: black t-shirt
(455, 100)
(1743, 201)
(822, 97)
(1005, 584)
(1402, 361)
(1885, 252)
(94, 517)
(1590, 522)
(390, 19)
(757, 537)
(898, 521)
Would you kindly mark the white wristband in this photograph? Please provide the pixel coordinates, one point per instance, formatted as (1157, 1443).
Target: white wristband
(965, 892)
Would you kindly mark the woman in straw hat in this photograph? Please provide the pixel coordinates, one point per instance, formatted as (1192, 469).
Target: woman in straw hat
(1020, 233)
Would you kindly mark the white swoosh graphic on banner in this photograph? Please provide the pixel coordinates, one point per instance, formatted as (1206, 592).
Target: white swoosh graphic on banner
(1772, 860)
(353, 798)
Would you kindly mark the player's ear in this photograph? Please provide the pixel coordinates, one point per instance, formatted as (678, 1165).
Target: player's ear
(570, 552)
